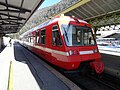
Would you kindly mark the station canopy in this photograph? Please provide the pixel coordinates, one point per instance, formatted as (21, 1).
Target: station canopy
(91, 9)
(15, 13)
(88, 9)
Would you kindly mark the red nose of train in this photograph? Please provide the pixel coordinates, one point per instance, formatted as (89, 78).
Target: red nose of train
(97, 66)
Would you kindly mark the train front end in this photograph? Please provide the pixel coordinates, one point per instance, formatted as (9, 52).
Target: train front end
(81, 46)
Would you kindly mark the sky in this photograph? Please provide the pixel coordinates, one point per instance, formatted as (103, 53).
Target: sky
(47, 3)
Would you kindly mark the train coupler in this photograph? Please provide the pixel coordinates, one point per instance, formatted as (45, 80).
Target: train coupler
(97, 66)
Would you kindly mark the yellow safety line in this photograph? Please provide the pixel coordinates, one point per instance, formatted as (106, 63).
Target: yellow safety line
(10, 78)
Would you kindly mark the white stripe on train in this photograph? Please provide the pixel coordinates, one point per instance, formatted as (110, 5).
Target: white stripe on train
(58, 52)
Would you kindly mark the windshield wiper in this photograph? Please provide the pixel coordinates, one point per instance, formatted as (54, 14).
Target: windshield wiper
(66, 34)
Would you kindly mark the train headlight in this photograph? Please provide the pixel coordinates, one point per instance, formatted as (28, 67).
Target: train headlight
(96, 50)
(73, 65)
(70, 52)
(73, 52)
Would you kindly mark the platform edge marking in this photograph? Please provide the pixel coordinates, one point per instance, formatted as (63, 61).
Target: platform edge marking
(10, 77)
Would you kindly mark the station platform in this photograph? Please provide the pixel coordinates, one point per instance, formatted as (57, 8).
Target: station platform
(22, 70)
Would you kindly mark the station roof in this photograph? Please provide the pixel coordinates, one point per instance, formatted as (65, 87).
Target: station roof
(15, 13)
(91, 9)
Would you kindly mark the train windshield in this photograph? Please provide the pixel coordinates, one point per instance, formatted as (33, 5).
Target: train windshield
(77, 35)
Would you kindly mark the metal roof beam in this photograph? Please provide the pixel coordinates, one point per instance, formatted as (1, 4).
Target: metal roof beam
(20, 7)
(76, 14)
(8, 5)
(101, 15)
(14, 11)
(15, 22)
(0, 17)
(81, 2)
(81, 12)
(12, 16)
(99, 6)
(117, 2)
(69, 14)
(10, 19)
(8, 24)
(107, 4)
(87, 11)
(92, 9)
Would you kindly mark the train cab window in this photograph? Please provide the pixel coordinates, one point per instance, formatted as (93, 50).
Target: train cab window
(78, 35)
(43, 36)
(56, 39)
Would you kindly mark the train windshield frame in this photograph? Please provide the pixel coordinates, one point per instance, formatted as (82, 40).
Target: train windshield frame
(78, 35)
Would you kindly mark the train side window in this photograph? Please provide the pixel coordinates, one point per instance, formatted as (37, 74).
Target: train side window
(43, 36)
(56, 39)
(27, 39)
(37, 37)
(30, 39)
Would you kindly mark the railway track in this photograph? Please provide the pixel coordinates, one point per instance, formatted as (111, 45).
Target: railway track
(107, 81)
(92, 82)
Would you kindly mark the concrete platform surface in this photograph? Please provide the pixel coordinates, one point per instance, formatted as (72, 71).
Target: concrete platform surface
(30, 72)
(5, 57)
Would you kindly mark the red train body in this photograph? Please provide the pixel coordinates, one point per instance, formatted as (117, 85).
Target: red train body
(65, 42)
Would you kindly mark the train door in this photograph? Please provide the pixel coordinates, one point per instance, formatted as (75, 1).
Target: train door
(42, 41)
(40, 38)
(56, 38)
(56, 42)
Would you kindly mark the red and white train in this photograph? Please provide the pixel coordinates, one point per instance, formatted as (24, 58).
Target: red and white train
(66, 42)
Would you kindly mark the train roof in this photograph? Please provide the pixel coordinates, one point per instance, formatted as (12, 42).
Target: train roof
(61, 18)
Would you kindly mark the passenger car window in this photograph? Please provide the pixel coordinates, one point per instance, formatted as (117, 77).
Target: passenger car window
(56, 39)
(37, 37)
(43, 36)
